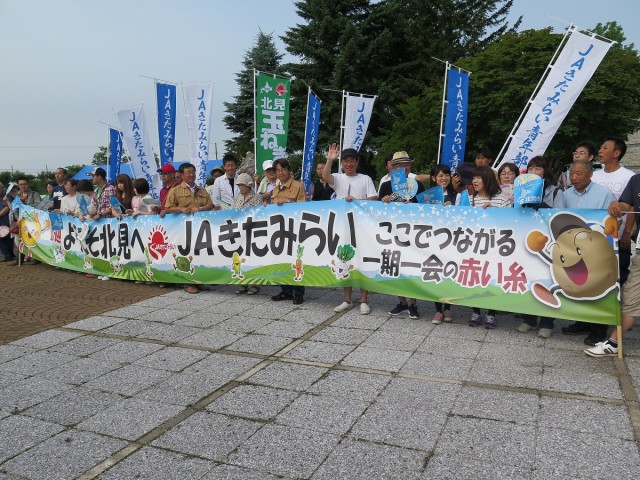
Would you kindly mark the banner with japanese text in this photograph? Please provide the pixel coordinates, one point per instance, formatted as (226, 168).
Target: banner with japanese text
(455, 126)
(198, 99)
(166, 100)
(136, 137)
(272, 97)
(310, 139)
(357, 113)
(115, 154)
(569, 74)
(556, 263)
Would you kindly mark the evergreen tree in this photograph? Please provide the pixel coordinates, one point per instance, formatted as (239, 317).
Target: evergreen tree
(264, 57)
(328, 46)
(383, 48)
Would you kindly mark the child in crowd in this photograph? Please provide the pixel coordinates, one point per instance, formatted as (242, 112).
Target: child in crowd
(143, 203)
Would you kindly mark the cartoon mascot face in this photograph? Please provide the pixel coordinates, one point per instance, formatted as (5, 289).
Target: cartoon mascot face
(583, 262)
(30, 230)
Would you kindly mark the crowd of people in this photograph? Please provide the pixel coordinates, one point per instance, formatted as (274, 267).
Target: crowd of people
(613, 188)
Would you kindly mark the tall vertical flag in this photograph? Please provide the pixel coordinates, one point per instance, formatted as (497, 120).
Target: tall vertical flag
(136, 137)
(566, 78)
(115, 154)
(198, 99)
(271, 109)
(310, 138)
(166, 101)
(455, 125)
(357, 109)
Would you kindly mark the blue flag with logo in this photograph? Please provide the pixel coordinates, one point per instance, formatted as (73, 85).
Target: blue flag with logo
(117, 205)
(166, 98)
(528, 189)
(455, 126)
(115, 154)
(433, 195)
(56, 221)
(84, 206)
(310, 139)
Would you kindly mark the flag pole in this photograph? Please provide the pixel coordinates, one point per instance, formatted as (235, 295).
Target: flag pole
(444, 103)
(344, 95)
(533, 95)
(255, 123)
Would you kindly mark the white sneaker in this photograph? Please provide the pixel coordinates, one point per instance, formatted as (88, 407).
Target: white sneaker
(602, 349)
(343, 307)
(364, 309)
(104, 277)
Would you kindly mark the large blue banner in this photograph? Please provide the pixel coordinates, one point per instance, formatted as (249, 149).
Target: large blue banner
(455, 127)
(166, 98)
(310, 138)
(115, 154)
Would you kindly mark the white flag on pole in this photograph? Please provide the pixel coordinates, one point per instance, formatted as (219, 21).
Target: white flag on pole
(198, 99)
(356, 119)
(570, 73)
(136, 137)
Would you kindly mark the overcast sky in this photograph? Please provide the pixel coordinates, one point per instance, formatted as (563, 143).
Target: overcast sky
(68, 64)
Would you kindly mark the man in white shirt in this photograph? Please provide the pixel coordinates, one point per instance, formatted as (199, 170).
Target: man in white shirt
(225, 188)
(615, 177)
(349, 186)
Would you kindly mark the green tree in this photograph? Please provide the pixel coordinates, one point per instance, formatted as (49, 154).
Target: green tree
(382, 48)
(264, 57)
(327, 45)
(101, 156)
(505, 75)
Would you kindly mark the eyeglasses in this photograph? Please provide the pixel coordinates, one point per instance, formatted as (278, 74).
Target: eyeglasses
(580, 152)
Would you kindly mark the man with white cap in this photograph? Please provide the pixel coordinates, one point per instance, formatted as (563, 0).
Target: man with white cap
(349, 186)
(269, 182)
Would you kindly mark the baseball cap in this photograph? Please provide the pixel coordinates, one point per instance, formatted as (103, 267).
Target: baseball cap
(267, 164)
(349, 152)
(167, 168)
(101, 172)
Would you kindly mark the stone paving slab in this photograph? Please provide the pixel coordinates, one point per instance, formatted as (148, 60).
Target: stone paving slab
(64, 456)
(283, 450)
(208, 435)
(152, 463)
(219, 385)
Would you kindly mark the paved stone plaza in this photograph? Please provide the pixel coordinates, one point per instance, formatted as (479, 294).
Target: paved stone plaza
(221, 386)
